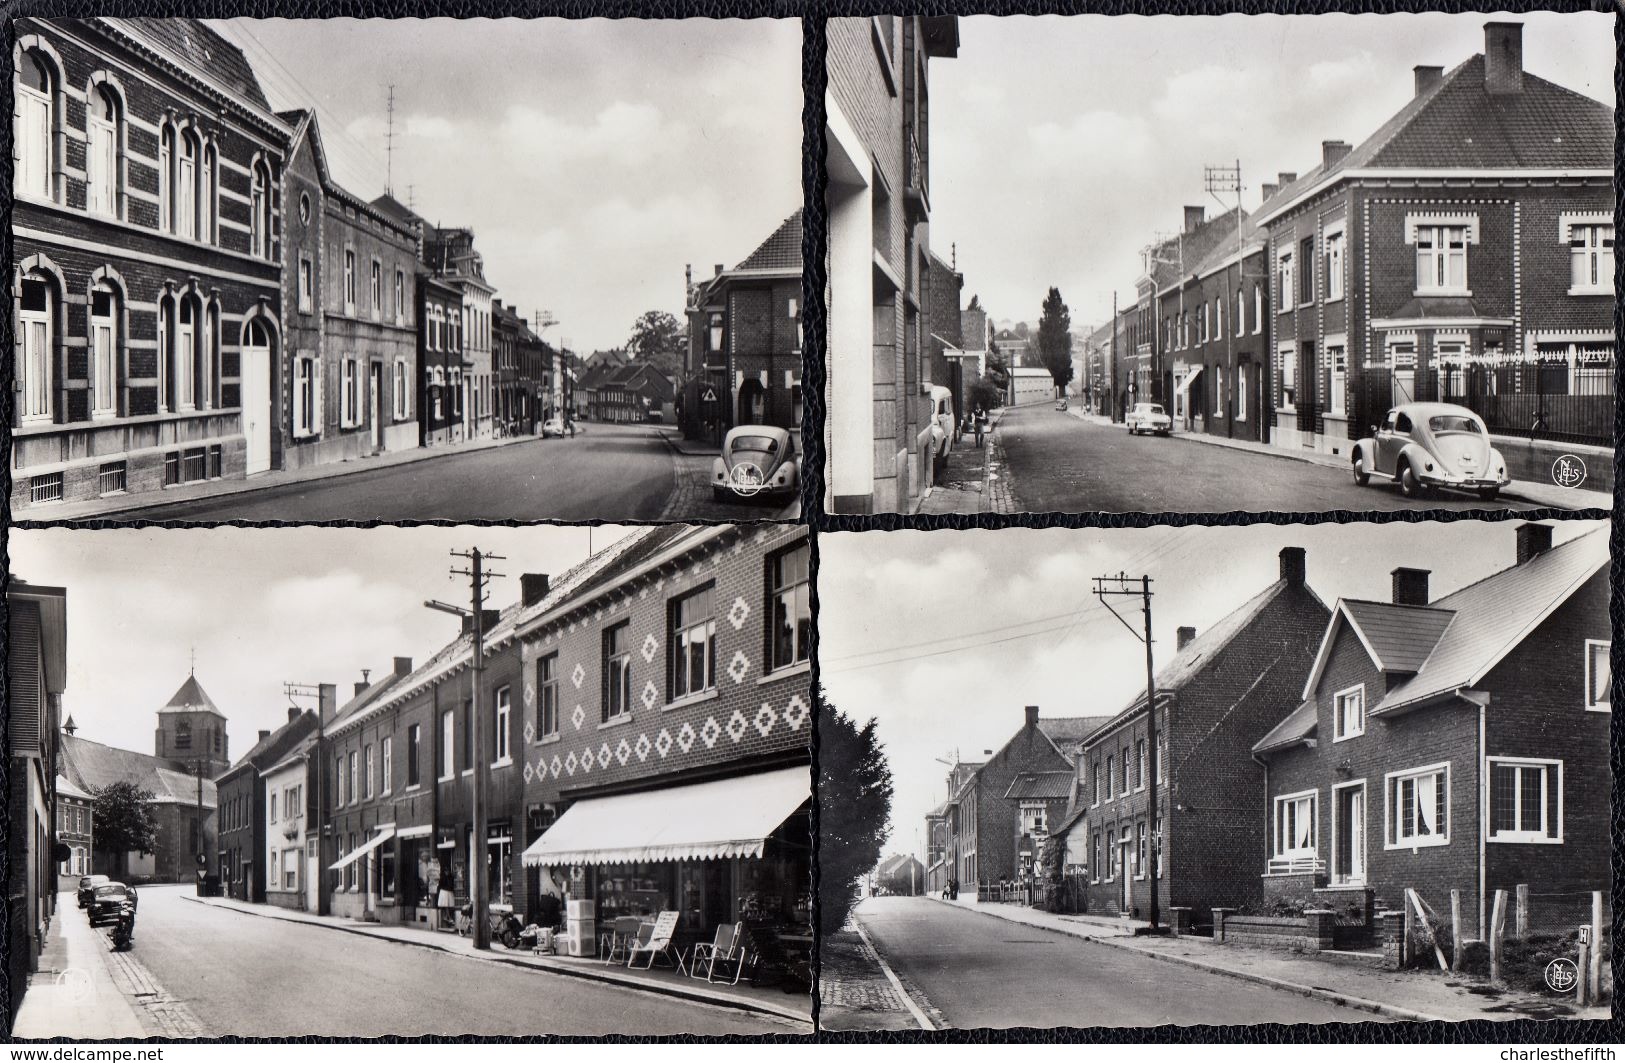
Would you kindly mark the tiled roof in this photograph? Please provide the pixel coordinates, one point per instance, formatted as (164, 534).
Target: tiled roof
(1249, 235)
(1040, 785)
(1400, 636)
(1299, 725)
(191, 697)
(1497, 613)
(938, 812)
(1197, 245)
(92, 766)
(65, 788)
(1067, 731)
(780, 251)
(195, 46)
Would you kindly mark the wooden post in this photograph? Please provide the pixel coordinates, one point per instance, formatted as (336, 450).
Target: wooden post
(1595, 978)
(1582, 990)
(1497, 926)
(1520, 925)
(1409, 930)
(1455, 930)
(1416, 903)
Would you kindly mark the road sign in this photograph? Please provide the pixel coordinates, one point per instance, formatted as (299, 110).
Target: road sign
(1585, 935)
(709, 395)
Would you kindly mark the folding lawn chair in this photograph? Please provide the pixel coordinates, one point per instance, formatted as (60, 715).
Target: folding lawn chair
(657, 942)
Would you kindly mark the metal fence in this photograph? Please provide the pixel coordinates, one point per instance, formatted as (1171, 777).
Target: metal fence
(1552, 398)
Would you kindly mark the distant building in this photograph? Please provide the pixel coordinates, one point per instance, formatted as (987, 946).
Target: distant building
(75, 828)
(635, 393)
(241, 796)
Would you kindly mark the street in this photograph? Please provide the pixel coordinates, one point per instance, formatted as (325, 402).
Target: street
(256, 977)
(608, 472)
(975, 970)
(1060, 463)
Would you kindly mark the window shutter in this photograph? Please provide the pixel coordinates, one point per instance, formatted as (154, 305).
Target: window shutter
(318, 372)
(23, 667)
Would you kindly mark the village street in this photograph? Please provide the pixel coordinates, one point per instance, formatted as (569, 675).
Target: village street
(607, 472)
(971, 970)
(240, 974)
(1061, 463)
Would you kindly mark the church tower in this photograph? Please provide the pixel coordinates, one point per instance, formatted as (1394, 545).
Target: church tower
(191, 729)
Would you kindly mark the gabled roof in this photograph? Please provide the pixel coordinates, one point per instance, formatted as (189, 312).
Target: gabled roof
(65, 788)
(1398, 637)
(191, 697)
(1067, 731)
(1190, 249)
(353, 708)
(92, 766)
(1299, 725)
(1040, 785)
(1458, 124)
(1495, 615)
(938, 812)
(892, 864)
(781, 251)
(197, 47)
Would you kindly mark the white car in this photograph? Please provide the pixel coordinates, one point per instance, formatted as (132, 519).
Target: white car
(942, 431)
(1149, 417)
(1425, 445)
(553, 426)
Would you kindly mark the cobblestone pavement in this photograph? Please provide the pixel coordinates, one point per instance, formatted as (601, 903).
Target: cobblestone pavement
(853, 993)
(159, 1012)
(692, 499)
(976, 481)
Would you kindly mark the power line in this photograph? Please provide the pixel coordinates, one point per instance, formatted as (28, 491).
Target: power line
(954, 649)
(949, 638)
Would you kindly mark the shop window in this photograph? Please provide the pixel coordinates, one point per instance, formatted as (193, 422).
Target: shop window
(617, 663)
(790, 601)
(691, 639)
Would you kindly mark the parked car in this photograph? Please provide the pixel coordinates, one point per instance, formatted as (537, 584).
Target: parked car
(942, 431)
(1426, 445)
(756, 459)
(1149, 417)
(87, 888)
(104, 905)
(553, 426)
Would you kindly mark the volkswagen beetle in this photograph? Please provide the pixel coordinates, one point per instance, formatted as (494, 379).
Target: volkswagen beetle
(1426, 445)
(755, 460)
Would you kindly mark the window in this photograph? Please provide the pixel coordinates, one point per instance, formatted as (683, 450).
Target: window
(1258, 309)
(338, 780)
(402, 390)
(1241, 312)
(338, 875)
(306, 286)
(367, 764)
(186, 355)
(1306, 270)
(1348, 713)
(351, 782)
(1124, 788)
(307, 396)
(502, 708)
(617, 672)
(1141, 850)
(349, 281)
(102, 139)
(290, 803)
(290, 869)
(377, 289)
(791, 601)
(400, 297)
(1288, 359)
(1241, 392)
(34, 126)
(36, 334)
(1335, 241)
(1094, 771)
(1094, 856)
(1419, 807)
(1295, 833)
(1218, 318)
(1599, 676)
(1591, 259)
(468, 737)
(1441, 258)
(414, 745)
(547, 696)
(350, 394)
(351, 869)
(1339, 355)
(1111, 774)
(207, 196)
(448, 728)
(1218, 392)
(692, 639)
(1139, 764)
(1284, 281)
(1526, 800)
(271, 806)
(260, 211)
(186, 187)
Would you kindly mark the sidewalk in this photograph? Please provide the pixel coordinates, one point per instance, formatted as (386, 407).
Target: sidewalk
(854, 993)
(664, 981)
(73, 993)
(975, 480)
(1549, 496)
(1408, 995)
(121, 506)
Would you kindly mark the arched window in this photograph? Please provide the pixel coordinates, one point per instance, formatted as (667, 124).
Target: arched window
(166, 178)
(186, 172)
(104, 325)
(208, 377)
(36, 346)
(186, 356)
(35, 125)
(260, 220)
(208, 198)
(166, 354)
(103, 129)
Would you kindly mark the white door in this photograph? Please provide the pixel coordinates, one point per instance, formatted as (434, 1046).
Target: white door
(256, 402)
(1348, 861)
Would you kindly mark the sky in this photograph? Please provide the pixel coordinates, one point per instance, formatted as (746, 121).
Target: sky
(593, 158)
(260, 607)
(944, 636)
(1061, 145)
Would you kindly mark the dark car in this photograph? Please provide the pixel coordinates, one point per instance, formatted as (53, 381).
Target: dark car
(104, 905)
(87, 888)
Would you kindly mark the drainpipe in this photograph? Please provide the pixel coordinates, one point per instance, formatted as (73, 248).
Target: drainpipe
(1482, 700)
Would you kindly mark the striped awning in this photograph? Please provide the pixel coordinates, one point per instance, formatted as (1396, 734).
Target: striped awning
(362, 850)
(701, 821)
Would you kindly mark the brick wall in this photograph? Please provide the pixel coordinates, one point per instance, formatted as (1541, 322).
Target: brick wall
(998, 822)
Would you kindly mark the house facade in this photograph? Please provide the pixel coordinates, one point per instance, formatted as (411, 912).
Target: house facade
(1474, 269)
(75, 828)
(635, 393)
(1422, 756)
(450, 254)
(290, 830)
(440, 361)
(145, 280)
(1216, 697)
(241, 796)
(877, 143)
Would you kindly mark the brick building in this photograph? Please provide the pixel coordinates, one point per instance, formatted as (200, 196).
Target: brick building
(451, 255)
(944, 340)
(1216, 697)
(36, 671)
(1154, 365)
(877, 141)
(440, 361)
(346, 382)
(744, 340)
(240, 794)
(1458, 743)
(634, 393)
(1472, 268)
(75, 828)
(145, 261)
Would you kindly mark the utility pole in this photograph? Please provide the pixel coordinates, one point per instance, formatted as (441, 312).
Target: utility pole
(479, 853)
(1125, 586)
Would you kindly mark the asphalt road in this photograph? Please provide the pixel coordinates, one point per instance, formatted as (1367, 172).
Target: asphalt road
(245, 975)
(607, 472)
(978, 970)
(1059, 463)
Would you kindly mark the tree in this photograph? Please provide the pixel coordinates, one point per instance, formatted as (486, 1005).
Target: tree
(854, 807)
(122, 812)
(1055, 340)
(659, 341)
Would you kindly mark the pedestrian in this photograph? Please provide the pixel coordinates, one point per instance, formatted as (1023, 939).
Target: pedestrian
(980, 416)
(447, 899)
(570, 425)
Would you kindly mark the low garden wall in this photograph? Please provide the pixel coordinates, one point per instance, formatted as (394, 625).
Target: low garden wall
(1310, 932)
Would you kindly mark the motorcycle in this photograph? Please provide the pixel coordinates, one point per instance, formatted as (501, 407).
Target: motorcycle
(123, 927)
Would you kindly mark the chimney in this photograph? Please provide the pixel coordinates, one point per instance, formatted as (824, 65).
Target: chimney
(719, 269)
(1503, 57)
(1193, 218)
(403, 667)
(264, 735)
(1186, 634)
(360, 687)
(1032, 715)
(293, 713)
(1410, 586)
(1269, 189)
(1333, 152)
(1286, 178)
(1427, 77)
(533, 587)
(1533, 540)
(1292, 565)
(328, 702)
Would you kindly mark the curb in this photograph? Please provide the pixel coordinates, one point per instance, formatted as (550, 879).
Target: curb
(896, 983)
(678, 992)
